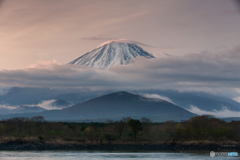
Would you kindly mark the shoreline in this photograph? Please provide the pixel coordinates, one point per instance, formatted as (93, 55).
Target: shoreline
(15, 146)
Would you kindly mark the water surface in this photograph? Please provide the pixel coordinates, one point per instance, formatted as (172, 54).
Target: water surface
(87, 155)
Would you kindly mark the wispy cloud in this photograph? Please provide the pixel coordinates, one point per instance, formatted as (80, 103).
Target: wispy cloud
(157, 96)
(97, 38)
(237, 99)
(3, 106)
(46, 104)
(221, 113)
(136, 42)
(44, 64)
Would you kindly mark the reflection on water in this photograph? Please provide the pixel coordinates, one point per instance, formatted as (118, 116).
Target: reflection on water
(84, 155)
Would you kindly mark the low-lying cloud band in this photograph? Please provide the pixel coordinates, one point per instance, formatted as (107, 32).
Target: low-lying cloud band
(220, 70)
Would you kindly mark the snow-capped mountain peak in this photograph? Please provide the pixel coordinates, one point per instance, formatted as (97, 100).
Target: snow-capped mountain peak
(111, 54)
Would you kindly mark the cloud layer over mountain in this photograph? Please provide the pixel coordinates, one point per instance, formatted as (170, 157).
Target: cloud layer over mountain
(222, 113)
(203, 70)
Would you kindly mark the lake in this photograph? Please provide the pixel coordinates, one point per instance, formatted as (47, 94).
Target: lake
(95, 155)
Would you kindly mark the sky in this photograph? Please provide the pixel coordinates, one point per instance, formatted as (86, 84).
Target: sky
(202, 37)
(39, 37)
(38, 31)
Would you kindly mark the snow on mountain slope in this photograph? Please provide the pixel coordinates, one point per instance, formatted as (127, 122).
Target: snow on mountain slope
(111, 54)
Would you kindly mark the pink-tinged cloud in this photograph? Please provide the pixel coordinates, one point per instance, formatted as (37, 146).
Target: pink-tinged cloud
(44, 64)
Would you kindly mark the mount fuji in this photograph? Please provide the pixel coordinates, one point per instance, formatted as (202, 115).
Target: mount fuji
(110, 54)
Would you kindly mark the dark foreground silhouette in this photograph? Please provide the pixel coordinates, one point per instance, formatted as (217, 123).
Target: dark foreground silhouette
(197, 133)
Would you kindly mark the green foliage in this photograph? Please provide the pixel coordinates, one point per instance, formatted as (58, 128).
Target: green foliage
(91, 133)
(130, 134)
(109, 137)
(125, 130)
(2, 128)
(62, 132)
(40, 138)
(53, 133)
(15, 133)
(136, 126)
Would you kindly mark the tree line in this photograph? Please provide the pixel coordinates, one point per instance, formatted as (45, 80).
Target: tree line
(198, 128)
